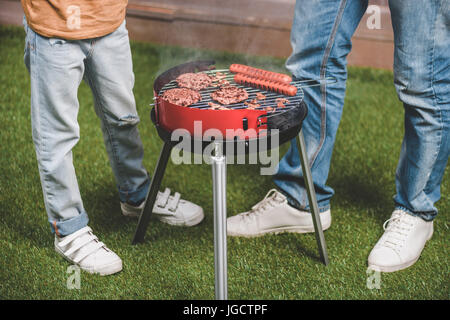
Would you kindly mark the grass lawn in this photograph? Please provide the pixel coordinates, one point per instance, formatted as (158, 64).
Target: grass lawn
(178, 263)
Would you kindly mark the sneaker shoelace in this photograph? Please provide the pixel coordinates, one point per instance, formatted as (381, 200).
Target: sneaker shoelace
(397, 229)
(269, 201)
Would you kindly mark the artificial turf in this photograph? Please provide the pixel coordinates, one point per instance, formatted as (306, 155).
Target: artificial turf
(178, 263)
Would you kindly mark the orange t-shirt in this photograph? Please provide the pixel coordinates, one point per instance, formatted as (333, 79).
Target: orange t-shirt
(74, 20)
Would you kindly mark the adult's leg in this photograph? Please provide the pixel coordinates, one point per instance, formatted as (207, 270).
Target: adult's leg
(422, 81)
(56, 70)
(422, 78)
(321, 40)
(109, 72)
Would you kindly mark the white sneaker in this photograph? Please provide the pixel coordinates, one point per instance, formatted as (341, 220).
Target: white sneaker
(85, 250)
(169, 209)
(273, 215)
(402, 242)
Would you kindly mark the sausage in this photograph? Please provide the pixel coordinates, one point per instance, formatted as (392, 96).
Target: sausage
(285, 89)
(260, 73)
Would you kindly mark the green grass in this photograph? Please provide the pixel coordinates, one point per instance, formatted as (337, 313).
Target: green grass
(178, 263)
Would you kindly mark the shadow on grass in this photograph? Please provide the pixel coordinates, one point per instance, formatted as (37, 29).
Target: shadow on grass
(33, 234)
(105, 216)
(310, 253)
(363, 194)
(24, 222)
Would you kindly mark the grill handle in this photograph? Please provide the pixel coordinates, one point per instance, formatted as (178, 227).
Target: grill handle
(306, 83)
(153, 116)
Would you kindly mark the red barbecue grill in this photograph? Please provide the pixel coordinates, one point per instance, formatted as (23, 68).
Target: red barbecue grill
(241, 130)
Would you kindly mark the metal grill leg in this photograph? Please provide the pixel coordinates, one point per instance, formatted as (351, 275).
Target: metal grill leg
(320, 238)
(219, 176)
(158, 175)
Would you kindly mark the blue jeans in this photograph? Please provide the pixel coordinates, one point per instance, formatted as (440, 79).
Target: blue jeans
(321, 40)
(56, 68)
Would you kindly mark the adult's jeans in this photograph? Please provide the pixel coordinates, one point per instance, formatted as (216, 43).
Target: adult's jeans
(56, 68)
(321, 40)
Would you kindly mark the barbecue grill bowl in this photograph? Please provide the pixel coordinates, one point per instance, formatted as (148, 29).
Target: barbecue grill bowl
(168, 117)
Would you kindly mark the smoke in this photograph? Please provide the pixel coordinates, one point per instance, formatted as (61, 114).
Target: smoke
(233, 33)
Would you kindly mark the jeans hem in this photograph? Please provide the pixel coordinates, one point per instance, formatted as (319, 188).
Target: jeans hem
(425, 215)
(136, 197)
(295, 204)
(66, 227)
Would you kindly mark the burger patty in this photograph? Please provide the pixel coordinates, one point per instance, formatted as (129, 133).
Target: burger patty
(229, 95)
(182, 96)
(194, 81)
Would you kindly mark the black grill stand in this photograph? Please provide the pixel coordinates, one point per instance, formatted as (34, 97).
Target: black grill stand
(220, 208)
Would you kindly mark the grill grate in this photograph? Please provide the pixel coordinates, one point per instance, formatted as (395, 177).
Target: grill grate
(268, 102)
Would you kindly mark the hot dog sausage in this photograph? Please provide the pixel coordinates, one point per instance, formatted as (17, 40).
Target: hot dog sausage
(260, 73)
(285, 89)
